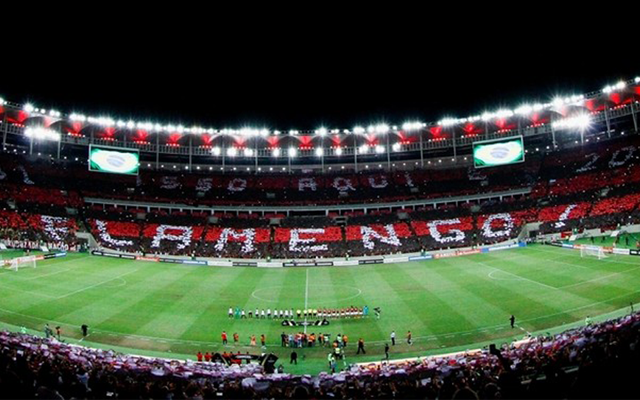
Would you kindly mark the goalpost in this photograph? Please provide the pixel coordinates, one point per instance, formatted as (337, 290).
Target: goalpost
(20, 262)
(592, 251)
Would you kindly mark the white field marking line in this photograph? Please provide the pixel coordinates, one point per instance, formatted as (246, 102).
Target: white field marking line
(42, 276)
(571, 285)
(504, 326)
(375, 342)
(490, 275)
(27, 291)
(522, 329)
(547, 259)
(600, 278)
(602, 260)
(306, 299)
(518, 276)
(94, 285)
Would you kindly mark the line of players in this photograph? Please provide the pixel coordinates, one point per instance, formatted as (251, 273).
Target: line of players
(347, 312)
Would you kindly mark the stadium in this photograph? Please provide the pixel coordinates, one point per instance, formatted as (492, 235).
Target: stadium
(495, 253)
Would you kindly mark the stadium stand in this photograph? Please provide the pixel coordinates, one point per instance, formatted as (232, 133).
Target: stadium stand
(595, 361)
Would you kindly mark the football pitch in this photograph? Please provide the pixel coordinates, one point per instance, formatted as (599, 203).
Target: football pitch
(447, 304)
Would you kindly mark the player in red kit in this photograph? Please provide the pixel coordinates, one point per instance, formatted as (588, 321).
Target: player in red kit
(224, 337)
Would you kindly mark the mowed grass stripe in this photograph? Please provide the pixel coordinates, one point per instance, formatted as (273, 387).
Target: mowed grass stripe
(521, 298)
(447, 302)
(479, 309)
(345, 284)
(148, 298)
(417, 314)
(208, 324)
(591, 282)
(190, 296)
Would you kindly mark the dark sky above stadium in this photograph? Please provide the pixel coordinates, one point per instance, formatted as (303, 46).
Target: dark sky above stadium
(310, 69)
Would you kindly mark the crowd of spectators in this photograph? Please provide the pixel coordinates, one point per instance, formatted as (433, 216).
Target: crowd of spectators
(594, 361)
(598, 182)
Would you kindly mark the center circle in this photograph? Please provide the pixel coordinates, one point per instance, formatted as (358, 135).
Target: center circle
(318, 295)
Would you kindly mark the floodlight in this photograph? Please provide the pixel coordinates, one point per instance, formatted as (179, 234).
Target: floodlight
(396, 147)
(411, 126)
(293, 152)
(248, 152)
(580, 122)
(319, 152)
(276, 152)
(40, 133)
(364, 149)
(216, 151)
(232, 152)
(379, 149)
(338, 151)
(382, 128)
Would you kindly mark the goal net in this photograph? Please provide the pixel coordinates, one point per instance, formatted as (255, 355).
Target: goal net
(592, 251)
(20, 262)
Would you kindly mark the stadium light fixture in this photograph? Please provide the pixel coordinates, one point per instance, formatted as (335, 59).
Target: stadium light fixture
(379, 149)
(321, 131)
(216, 151)
(411, 126)
(248, 152)
(620, 85)
(448, 122)
(396, 147)
(1, 101)
(28, 107)
(503, 113)
(293, 152)
(319, 152)
(358, 130)
(232, 152)
(364, 149)
(338, 151)
(524, 110)
(558, 102)
(580, 122)
(276, 152)
(293, 132)
(40, 133)
(382, 128)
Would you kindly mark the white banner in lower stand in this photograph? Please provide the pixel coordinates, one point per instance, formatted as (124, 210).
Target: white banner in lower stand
(345, 263)
(265, 264)
(392, 260)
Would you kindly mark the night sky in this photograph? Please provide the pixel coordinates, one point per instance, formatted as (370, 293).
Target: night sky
(303, 73)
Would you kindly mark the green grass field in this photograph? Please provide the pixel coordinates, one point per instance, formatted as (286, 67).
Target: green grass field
(455, 303)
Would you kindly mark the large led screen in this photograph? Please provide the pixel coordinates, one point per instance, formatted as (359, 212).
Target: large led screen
(492, 153)
(114, 161)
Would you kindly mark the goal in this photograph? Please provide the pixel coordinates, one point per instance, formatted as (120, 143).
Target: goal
(592, 251)
(20, 262)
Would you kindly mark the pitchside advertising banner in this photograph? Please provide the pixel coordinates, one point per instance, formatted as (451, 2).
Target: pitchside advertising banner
(308, 264)
(492, 153)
